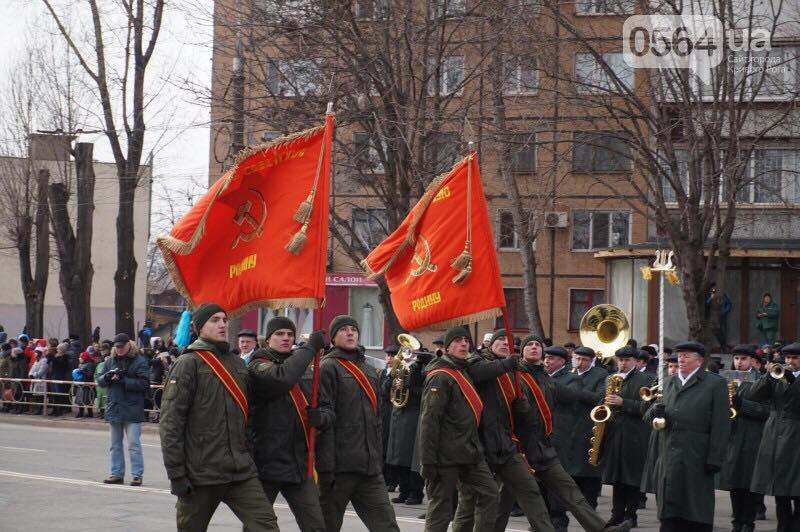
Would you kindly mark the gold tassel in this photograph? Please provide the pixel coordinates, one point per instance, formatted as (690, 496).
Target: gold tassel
(303, 212)
(298, 241)
(673, 278)
(463, 260)
(647, 273)
(462, 275)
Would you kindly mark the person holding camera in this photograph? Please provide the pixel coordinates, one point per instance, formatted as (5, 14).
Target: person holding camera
(126, 378)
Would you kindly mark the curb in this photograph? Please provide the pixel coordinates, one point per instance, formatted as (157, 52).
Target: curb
(66, 422)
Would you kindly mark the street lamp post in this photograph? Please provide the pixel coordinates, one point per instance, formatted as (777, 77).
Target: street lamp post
(662, 264)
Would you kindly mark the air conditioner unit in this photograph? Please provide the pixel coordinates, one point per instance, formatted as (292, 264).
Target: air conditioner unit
(555, 219)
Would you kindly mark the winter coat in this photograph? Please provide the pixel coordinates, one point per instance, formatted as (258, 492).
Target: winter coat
(404, 421)
(385, 407)
(5, 365)
(101, 394)
(770, 321)
(39, 371)
(279, 439)
(624, 449)
(777, 468)
(591, 389)
(19, 367)
(351, 439)
(565, 416)
(746, 431)
(537, 444)
(125, 402)
(203, 433)
(696, 435)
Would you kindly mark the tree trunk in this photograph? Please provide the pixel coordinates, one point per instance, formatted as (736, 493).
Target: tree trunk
(531, 294)
(125, 276)
(384, 296)
(35, 290)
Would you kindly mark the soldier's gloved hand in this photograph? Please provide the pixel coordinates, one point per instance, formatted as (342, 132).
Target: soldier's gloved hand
(521, 405)
(711, 469)
(429, 472)
(660, 410)
(512, 362)
(317, 340)
(314, 417)
(180, 487)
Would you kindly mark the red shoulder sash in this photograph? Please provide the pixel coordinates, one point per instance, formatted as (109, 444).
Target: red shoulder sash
(467, 389)
(362, 381)
(227, 380)
(300, 404)
(541, 402)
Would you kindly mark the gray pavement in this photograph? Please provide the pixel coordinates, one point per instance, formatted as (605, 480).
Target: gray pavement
(51, 473)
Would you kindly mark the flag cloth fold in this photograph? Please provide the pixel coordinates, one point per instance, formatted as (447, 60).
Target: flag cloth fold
(259, 236)
(440, 263)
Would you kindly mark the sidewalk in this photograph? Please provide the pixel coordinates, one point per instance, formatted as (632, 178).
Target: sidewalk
(68, 421)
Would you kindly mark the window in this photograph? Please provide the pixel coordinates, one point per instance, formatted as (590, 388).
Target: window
(449, 75)
(303, 318)
(771, 177)
(367, 157)
(600, 229)
(581, 300)
(507, 237)
(269, 136)
(515, 307)
(447, 8)
(600, 152)
(523, 153)
(520, 75)
(604, 7)
(592, 77)
(372, 9)
(369, 226)
(292, 77)
(366, 308)
(773, 73)
(442, 150)
(683, 176)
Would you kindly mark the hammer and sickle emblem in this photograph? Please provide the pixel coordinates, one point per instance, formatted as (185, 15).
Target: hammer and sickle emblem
(421, 263)
(244, 214)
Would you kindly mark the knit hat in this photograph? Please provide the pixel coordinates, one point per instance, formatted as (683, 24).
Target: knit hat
(499, 333)
(276, 323)
(203, 313)
(531, 338)
(339, 322)
(454, 333)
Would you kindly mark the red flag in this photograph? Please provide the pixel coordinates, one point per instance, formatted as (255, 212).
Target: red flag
(440, 263)
(258, 237)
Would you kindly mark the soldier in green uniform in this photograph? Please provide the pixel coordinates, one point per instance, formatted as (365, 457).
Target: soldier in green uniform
(448, 441)
(695, 410)
(737, 470)
(624, 450)
(204, 436)
(535, 427)
(777, 469)
(280, 436)
(499, 440)
(349, 454)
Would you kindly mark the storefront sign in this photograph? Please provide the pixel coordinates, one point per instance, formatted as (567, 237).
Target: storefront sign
(348, 279)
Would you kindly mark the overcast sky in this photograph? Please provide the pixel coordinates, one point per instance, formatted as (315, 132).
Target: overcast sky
(184, 49)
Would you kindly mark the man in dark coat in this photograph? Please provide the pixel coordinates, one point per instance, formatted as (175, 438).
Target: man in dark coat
(280, 420)
(349, 454)
(737, 470)
(591, 383)
(449, 444)
(694, 411)
(403, 435)
(624, 449)
(204, 432)
(126, 376)
(490, 371)
(653, 461)
(777, 469)
(385, 410)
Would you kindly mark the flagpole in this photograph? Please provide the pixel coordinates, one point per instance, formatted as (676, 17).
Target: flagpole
(510, 339)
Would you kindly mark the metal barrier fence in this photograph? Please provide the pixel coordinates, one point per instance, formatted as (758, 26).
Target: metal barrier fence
(36, 393)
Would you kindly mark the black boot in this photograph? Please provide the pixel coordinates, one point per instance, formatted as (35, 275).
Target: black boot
(401, 498)
(414, 498)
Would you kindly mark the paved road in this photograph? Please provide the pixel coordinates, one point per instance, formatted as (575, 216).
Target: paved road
(51, 473)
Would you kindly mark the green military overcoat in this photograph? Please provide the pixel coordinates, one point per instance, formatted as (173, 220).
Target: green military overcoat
(564, 418)
(591, 388)
(746, 430)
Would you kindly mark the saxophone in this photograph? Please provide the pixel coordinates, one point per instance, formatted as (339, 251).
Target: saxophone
(601, 414)
(732, 388)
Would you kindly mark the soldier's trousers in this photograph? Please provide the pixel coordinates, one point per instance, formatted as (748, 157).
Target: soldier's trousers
(788, 519)
(566, 494)
(303, 500)
(624, 501)
(474, 479)
(590, 487)
(368, 495)
(744, 505)
(246, 499)
(518, 484)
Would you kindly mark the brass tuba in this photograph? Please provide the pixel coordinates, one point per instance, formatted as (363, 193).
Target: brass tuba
(605, 328)
(601, 414)
(399, 373)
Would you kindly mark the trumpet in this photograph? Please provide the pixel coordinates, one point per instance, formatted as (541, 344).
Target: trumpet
(650, 393)
(778, 371)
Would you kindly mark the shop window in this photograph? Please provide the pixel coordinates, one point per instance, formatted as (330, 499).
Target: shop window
(366, 308)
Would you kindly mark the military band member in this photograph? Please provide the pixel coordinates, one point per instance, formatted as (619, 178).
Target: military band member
(536, 430)
(737, 470)
(625, 442)
(248, 342)
(777, 469)
(449, 444)
(349, 454)
(203, 431)
(385, 411)
(695, 410)
(651, 466)
(280, 420)
(490, 371)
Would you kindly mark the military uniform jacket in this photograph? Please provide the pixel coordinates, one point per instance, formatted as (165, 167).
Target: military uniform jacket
(591, 389)
(385, 406)
(279, 440)
(537, 445)
(565, 416)
(351, 439)
(448, 434)
(404, 421)
(624, 449)
(697, 433)
(746, 430)
(777, 469)
(203, 434)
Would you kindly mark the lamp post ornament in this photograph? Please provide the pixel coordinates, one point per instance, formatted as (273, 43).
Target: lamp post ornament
(662, 263)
